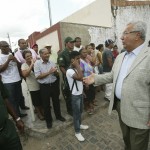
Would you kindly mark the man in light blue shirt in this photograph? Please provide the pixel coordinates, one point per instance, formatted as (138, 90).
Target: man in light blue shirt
(46, 74)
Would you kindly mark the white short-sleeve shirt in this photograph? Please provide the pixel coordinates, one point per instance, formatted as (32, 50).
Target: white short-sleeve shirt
(69, 74)
(11, 74)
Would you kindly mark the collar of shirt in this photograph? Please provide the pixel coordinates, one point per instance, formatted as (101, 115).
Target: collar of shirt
(67, 50)
(107, 49)
(43, 62)
(136, 51)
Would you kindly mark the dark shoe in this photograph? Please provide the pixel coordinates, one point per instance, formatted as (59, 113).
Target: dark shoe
(22, 115)
(25, 108)
(49, 125)
(41, 117)
(61, 119)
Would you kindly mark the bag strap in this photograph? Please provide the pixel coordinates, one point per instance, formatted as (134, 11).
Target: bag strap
(74, 82)
(72, 85)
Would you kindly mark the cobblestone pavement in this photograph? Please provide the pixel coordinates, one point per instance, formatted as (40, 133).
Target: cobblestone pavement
(103, 133)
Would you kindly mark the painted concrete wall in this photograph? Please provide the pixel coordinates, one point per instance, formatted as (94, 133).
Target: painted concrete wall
(97, 13)
(98, 35)
(87, 33)
(51, 39)
(131, 13)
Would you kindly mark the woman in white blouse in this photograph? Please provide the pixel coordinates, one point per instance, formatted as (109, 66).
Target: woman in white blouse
(27, 69)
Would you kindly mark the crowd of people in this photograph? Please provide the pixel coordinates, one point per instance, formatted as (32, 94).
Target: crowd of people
(85, 70)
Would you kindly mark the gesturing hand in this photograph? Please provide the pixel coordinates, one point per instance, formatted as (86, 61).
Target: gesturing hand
(148, 124)
(75, 63)
(89, 80)
(33, 61)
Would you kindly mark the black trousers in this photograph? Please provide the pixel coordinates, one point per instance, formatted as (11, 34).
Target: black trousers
(48, 91)
(134, 139)
(22, 99)
(67, 95)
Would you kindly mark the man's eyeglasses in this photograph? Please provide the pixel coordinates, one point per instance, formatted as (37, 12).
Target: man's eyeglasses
(125, 33)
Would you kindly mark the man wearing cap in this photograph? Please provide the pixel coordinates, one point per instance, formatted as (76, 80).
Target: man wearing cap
(48, 46)
(64, 62)
(35, 48)
(108, 61)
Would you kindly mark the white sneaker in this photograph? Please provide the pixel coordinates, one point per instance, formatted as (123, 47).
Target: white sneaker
(84, 127)
(79, 137)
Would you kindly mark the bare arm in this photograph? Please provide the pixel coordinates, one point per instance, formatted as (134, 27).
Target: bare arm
(10, 110)
(99, 58)
(19, 122)
(4, 66)
(79, 74)
(110, 62)
(26, 73)
(62, 69)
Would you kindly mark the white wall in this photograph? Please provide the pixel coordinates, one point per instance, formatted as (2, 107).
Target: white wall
(97, 13)
(132, 13)
(51, 39)
(99, 35)
(124, 16)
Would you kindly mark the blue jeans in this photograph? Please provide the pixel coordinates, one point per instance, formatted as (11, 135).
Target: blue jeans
(14, 90)
(77, 107)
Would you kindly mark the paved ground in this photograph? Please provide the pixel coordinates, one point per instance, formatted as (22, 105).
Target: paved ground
(104, 132)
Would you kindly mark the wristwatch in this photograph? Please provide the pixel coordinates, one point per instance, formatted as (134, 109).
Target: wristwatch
(18, 119)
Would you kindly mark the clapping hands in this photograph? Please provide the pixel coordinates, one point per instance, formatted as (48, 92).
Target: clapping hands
(52, 70)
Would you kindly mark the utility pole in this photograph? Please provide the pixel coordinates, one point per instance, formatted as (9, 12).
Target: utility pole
(49, 11)
(9, 40)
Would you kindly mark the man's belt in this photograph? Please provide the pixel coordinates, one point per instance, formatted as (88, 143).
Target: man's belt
(48, 84)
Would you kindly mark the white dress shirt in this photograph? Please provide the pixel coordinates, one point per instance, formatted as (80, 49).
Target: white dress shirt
(126, 64)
